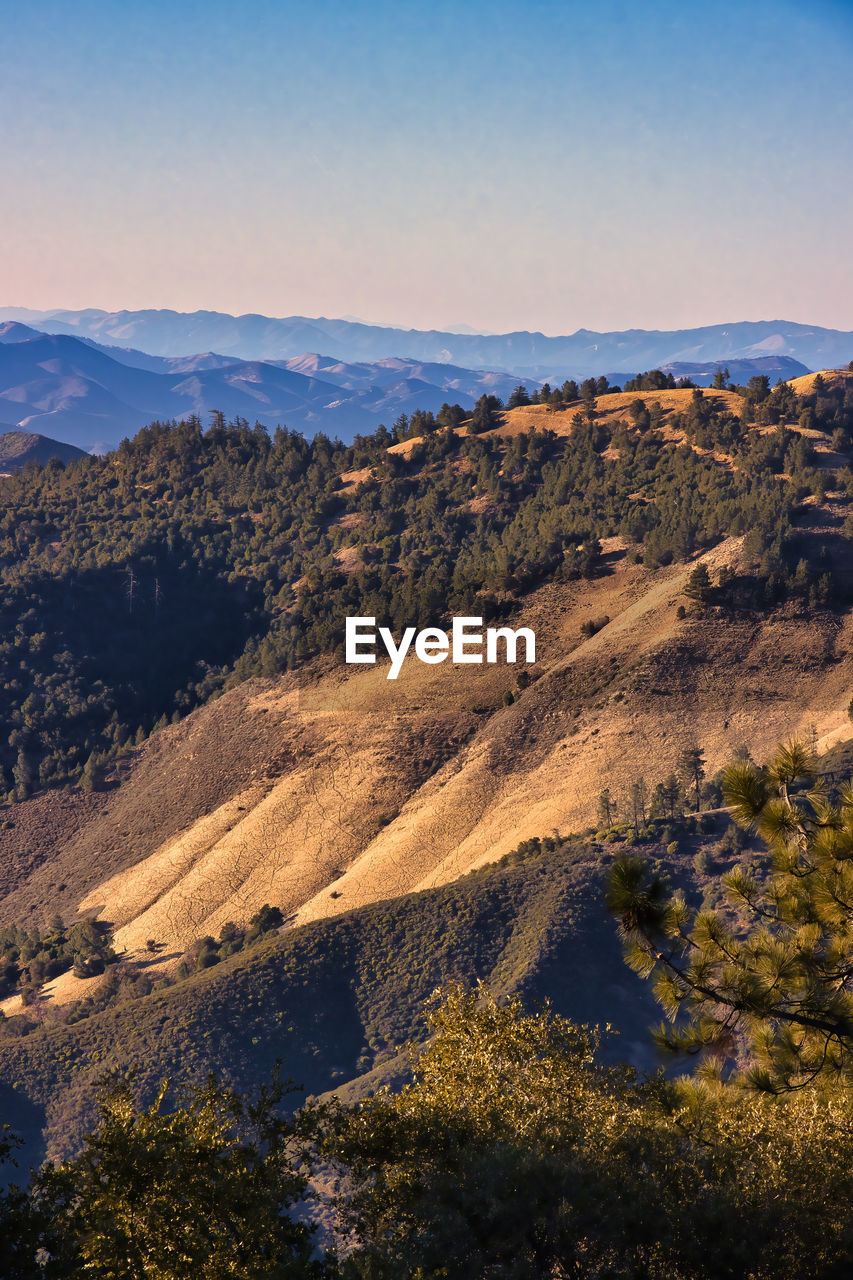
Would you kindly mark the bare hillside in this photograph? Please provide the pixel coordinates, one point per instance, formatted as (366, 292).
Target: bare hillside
(804, 386)
(346, 788)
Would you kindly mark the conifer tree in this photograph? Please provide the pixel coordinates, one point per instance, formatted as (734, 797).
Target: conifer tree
(606, 808)
(692, 766)
(699, 583)
(771, 999)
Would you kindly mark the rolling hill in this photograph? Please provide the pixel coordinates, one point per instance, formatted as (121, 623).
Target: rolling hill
(20, 447)
(336, 1001)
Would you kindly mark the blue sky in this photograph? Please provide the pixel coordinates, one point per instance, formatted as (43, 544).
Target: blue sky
(541, 165)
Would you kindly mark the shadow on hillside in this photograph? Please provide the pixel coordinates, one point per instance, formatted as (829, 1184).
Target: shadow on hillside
(27, 1121)
(142, 630)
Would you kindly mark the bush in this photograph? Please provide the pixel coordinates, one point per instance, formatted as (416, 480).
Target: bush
(593, 625)
(732, 842)
(704, 863)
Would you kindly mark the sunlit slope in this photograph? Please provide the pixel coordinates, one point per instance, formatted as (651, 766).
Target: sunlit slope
(805, 385)
(334, 1000)
(608, 409)
(336, 787)
(611, 408)
(620, 704)
(376, 788)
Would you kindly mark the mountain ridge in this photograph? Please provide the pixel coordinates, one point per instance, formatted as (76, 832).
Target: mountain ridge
(523, 353)
(94, 395)
(17, 448)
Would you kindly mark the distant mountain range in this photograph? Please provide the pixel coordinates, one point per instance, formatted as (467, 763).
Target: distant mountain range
(92, 396)
(523, 354)
(63, 382)
(740, 371)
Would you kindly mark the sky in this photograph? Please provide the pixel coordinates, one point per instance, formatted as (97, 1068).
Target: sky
(541, 165)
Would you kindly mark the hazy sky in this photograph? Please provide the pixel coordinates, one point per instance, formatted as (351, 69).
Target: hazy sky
(509, 165)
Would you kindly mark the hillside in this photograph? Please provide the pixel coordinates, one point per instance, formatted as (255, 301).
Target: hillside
(425, 794)
(342, 798)
(193, 560)
(337, 1000)
(805, 385)
(268, 796)
(20, 447)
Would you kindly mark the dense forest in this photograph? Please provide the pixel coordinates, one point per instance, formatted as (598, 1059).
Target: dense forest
(136, 585)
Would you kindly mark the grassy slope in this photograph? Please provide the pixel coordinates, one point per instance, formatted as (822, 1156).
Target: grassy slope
(359, 789)
(333, 998)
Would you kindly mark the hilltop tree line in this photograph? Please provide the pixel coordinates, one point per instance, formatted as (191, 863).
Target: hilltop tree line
(136, 586)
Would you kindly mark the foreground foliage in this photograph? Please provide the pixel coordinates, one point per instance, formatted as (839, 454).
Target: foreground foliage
(769, 992)
(515, 1152)
(200, 1191)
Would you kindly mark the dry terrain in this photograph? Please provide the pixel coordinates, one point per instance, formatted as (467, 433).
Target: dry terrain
(324, 795)
(339, 787)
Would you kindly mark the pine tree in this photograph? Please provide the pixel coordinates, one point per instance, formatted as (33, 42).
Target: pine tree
(639, 796)
(606, 809)
(671, 793)
(92, 775)
(692, 768)
(771, 998)
(588, 397)
(23, 775)
(699, 583)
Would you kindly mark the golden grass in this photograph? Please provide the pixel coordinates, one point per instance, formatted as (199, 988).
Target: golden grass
(345, 825)
(609, 409)
(804, 386)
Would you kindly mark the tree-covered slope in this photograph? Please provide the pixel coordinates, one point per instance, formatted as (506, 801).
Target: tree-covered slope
(134, 586)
